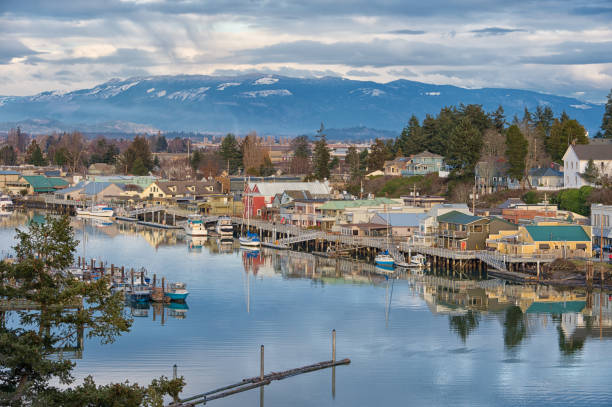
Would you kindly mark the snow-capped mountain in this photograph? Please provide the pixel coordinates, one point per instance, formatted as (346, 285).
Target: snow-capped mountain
(271, 103)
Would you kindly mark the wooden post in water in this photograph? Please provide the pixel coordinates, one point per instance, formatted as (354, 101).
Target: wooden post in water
(261, 378)
(154, 280)
(334, 366)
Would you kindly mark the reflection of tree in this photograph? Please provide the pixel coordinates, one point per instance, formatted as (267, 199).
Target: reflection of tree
(569, 346)
(463, 325)
(515, 327)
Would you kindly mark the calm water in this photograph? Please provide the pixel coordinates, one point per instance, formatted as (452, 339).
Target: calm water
(411, 340)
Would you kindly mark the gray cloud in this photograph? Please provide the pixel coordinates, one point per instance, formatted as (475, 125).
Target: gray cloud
(406, 32)
(360, 73)
(404, 72)
(574, 53)
(10, 48)
(377, 53)
(496, 31)
(127, 56)
(282, 71)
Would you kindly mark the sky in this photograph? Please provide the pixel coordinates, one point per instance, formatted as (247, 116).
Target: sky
(554, 46)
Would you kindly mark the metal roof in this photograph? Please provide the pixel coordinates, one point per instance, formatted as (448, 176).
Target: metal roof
(458, 218)
(338, 205)
(593, 151)
(40, 183)
(402, 219)
(9, 172)
(273, 188)
(559, 233)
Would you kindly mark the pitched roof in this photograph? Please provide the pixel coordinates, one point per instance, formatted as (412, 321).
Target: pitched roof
(40, 183)
(545, 172)
(427, 154)
(402, 219)
(458, 217)
(559, 233)
(9, 172)
(298, 194)
(593, 151)
(273, 188)
(181, 187)
(510, 202)
(338, 205)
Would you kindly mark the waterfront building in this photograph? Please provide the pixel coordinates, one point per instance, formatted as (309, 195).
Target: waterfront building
(355, 211)
(427, 234)
(259, 195)
(401, 225)
(460, 231)
(525, 213)
(422, 201)
(8, 179)
(38, 184)
(577, 157)
(601, 220)
(550, 238)
(142, 181)
(160, 191)
(85, 191)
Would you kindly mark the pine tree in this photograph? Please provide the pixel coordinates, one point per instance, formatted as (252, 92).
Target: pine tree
(563, 133)
(499, 120)
(8, 155)
(411, 140)
(196, 160)
(544, 117)
(516, 152)
(231, 153)
(300, 162)
(591, 173)
(606, 122)
(321, 158)
(465, 142)
(352, 160)
(379, 153)
(34, 155)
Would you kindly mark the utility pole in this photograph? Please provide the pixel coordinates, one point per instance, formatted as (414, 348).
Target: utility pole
(413, 194)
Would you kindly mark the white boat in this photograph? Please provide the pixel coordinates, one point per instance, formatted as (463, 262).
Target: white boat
(384, 259)
(250, 240)
(418, 261)
(6, 205)
(100, 211)
(194, 226)
(224, 226)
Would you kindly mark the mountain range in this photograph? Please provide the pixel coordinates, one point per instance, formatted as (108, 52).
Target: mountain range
(268, 104)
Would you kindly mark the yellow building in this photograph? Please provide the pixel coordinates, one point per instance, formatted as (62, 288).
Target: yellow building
(562, 240)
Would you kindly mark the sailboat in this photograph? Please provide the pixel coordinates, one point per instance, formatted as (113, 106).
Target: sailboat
(251, 240)
(385, 259)
(95, 210)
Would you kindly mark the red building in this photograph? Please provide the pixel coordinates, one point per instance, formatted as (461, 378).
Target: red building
(258, 195)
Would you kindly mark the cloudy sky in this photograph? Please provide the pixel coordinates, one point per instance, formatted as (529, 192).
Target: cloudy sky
(554, 46)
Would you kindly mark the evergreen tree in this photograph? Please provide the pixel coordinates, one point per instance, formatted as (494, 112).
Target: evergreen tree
(231, 153)
(544, 117)
(137, 159)
(138, 167)
(498, 118)
(516, 152)
(266, 168)
(300, 162)
(562, 133)
(195, 160)
(352, 160)
(379, 153)
(591, 173)
(34, 155)
(606, 122)
(161, 144)
(321, 158)
(8, 156)
(465, 142)
(411, 141)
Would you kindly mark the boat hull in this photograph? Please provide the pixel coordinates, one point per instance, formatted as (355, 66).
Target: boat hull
(176, 296)
(249, 242)
(384, 262)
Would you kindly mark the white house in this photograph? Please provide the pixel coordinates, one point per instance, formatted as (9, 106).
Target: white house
(577, 157)
(601, 220)
(426, 234)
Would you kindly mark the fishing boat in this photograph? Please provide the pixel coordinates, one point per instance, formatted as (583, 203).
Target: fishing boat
(176, 292)
(101, 211)
(418, 261)
(194, 226)
(6, 205)
(251, 240)
(139, 293)
(224, 226)
(384, 259)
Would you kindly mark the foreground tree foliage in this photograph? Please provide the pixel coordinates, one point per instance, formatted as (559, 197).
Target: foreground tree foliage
(66, 310)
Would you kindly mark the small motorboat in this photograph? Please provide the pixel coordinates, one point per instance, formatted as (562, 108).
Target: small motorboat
(384, 259)
(176, 292)
(139, 293)
(224, 226)
(250, 240)
(418, 261)
(101, 211)
(6, 205)
(194, 226)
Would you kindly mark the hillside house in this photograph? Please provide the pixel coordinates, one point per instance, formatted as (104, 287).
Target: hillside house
(545, 179)
(576, 159)
(396, 166)
(423, 163)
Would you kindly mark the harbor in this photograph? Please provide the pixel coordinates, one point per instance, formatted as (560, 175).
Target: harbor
(496, 331)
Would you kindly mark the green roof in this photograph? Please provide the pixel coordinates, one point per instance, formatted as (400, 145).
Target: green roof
(40, 183)
(561, 233)
(458, 217)
(556, 307)
(339, 205)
